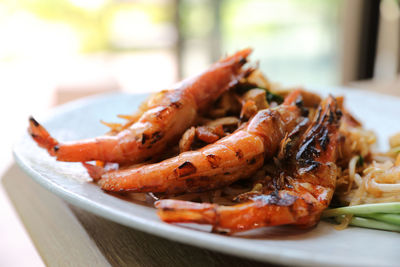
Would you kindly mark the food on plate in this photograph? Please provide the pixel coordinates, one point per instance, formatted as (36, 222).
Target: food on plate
(370, 186)
(304, 190)
(230, 149)
(236, 156)
(160, 121)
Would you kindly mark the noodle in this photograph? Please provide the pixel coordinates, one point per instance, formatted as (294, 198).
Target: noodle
(378, 182)
(352, 171)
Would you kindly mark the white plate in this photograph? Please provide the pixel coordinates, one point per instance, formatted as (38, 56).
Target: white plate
(320, 246)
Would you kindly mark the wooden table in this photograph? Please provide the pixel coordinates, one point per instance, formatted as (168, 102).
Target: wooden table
(69, 236)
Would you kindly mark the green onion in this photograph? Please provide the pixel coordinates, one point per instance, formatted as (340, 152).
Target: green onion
(360, 161)
(391, 207)
(271, 97)
(384, 217)
(370, 223)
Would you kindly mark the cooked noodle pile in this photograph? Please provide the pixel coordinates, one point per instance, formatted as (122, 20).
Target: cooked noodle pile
(370, 177)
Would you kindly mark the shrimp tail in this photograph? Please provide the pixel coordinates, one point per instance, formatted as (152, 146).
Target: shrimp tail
(185, 211)
(96, 171)
(42, 137)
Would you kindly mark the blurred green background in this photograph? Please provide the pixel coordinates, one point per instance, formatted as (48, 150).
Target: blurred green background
(295, 41)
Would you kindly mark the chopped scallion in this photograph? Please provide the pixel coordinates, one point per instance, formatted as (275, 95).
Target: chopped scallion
(370, 223)
(385, 217)
(271, 97)
(392, 207)
(360, 161)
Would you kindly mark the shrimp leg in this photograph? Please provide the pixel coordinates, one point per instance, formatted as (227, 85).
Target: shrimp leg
(235, 156)
(163, 120)
(299, 201)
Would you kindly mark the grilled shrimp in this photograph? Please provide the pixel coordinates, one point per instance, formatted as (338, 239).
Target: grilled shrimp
(165, 117)
(297, 197)
(235, 156)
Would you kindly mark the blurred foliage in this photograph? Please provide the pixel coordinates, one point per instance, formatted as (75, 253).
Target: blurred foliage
(88, 24)
(294, 40)
(246, 19)
(196, 18)
(92, 24)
